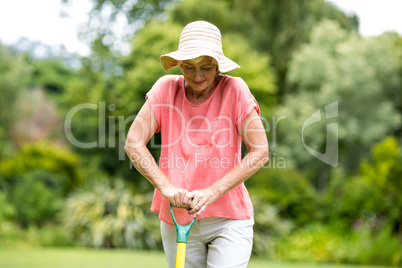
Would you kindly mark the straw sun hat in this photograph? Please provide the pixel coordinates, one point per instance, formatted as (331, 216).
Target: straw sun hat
(199, 38)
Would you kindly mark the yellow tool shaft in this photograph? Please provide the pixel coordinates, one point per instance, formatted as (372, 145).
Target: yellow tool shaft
(181, 254)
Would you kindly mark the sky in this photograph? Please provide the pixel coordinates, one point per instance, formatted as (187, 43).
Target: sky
(43, 20)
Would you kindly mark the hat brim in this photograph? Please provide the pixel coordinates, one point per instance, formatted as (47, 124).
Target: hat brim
(172, 59)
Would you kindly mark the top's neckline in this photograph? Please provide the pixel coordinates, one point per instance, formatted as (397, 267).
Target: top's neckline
(208, 99)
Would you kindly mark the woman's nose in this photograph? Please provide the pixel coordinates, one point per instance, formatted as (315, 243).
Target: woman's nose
(198, 75)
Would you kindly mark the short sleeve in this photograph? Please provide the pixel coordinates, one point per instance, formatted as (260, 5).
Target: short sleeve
(158, 95)
(246, 102)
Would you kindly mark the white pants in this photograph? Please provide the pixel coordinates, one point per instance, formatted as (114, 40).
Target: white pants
(212, 243)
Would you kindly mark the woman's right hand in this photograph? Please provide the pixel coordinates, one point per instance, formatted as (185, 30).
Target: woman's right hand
(175, 195)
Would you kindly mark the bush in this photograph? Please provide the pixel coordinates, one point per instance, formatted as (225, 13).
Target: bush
(50, 235)
(7, 210)
(35, 201)
(373, 246)
(268, 228)
(375, 190)
(12, 236)
(36, 179)
(364, 245)
(288, 190)
(313, 243)
(44, 156)
(109, 215)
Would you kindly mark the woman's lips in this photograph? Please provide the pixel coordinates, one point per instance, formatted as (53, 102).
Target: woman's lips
(199, 83)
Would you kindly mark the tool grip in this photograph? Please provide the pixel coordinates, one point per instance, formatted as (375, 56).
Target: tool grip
(181, 254)
(182, 231)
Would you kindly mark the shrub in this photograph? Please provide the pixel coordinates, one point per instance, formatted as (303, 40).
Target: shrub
(364, 245)
(110, 215)
(288, 190)
(269, 227)
(11, 235)
(7, 210)
(312, 243)
(375, 190)
(44, 156)
(50, 235)
(374, 246)
(35, 201)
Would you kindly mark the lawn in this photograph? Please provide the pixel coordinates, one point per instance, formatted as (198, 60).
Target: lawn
(88, 258)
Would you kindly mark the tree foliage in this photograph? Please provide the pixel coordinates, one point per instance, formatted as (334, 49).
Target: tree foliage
(36, 197)
(37, 119)
(287, 189)
(276, 28)
(36, 179)
(291, 56)
(42, 156)
(51, 73)
(373, 194)
(14, 75)
(112, 23)
(343, 67)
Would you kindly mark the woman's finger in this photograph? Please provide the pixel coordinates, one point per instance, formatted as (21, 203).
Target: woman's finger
(187, 199)
(200, 211)
(196, 205)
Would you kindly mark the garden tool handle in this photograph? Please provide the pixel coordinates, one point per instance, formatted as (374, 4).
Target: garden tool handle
(182, 232)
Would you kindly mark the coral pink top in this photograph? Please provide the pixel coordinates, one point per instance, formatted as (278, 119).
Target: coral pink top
(201, 143)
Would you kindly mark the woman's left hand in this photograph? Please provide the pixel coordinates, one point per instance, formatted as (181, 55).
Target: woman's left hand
(198, 200)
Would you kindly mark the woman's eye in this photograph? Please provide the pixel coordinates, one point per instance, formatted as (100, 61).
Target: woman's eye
(189, 67)
(207, 68)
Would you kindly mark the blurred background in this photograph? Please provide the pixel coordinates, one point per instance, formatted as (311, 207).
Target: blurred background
(73, 74)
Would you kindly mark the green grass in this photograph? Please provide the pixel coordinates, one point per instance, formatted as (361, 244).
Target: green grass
(88, 258)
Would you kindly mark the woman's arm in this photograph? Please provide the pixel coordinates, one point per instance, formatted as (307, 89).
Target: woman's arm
(255, 139)
(141, 131)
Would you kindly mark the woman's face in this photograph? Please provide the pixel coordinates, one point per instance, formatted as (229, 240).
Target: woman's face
(199, 73)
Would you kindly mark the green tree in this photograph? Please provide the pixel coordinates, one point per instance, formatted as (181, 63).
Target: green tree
(393, 92)
(86, 107)
(355, 71)
(13, 80)
(111, 24)
(50, 73)
(383, 172)
(37, 118)
(372, 195)
(275, 27)
(286, 189)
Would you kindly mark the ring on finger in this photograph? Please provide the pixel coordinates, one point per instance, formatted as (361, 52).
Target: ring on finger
(198, 205)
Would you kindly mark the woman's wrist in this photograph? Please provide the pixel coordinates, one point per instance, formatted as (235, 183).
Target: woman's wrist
(216, 191)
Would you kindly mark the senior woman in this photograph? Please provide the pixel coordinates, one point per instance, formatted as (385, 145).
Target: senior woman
(203, 117)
